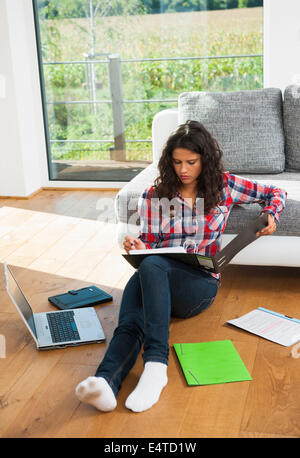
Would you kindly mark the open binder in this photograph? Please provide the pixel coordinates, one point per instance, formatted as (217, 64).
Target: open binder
(215, 264)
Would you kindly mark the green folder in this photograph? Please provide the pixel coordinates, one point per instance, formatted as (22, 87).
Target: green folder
(209, 363)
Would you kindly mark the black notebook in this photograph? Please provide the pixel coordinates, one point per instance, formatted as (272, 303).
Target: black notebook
(84, 297)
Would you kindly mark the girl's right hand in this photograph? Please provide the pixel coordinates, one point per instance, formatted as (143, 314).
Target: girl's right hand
(131, 243)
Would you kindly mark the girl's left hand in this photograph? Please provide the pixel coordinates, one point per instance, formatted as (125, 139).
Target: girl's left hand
(270, 228)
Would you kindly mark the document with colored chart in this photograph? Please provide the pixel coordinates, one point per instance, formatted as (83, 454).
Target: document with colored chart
(270, 325)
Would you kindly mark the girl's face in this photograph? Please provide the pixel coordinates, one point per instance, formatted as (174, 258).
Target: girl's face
(187, 165)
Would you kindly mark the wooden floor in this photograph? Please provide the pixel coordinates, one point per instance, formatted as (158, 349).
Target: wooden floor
(57, 241)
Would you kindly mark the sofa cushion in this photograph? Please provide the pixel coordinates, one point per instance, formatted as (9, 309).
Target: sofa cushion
(291, 121)
(248, 126)
(289, 224)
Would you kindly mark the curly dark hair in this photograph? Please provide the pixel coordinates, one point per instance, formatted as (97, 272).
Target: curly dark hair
(192, 136)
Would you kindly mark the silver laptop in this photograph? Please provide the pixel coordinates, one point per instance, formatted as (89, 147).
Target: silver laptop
(56, 329)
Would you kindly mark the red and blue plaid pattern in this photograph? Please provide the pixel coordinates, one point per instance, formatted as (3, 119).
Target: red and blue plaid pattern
(170, 226)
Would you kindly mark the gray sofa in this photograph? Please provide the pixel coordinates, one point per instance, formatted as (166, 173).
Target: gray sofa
(259, 133)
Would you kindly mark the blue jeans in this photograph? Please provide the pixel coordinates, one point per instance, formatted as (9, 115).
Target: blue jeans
(160, 288)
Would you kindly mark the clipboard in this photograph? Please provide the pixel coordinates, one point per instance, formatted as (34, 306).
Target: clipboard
(217, 263)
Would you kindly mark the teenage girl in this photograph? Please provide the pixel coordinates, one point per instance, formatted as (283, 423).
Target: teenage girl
(192, 178)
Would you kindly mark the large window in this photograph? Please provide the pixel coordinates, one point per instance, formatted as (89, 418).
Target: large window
(108, 66)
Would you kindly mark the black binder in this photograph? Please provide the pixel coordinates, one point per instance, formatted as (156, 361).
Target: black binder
(217, 263)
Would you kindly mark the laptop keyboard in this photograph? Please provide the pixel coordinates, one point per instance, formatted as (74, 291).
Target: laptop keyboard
(62, 326)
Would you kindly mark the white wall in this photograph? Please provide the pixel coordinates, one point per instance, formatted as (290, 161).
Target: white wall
(21, 127)
(23, 159)
(281, 43)
(9, 135)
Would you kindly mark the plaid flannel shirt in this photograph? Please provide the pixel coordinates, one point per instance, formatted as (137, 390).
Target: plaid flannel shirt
(165, 226)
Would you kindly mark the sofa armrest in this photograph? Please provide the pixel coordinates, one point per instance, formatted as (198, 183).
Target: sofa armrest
(126, 201)
(164, 123)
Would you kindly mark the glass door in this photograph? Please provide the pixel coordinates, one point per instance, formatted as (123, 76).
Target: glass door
(107, 67)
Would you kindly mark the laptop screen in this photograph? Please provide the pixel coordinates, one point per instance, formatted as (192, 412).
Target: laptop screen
(19, 299)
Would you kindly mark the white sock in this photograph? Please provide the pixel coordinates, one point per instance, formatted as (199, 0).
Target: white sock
(146, 394)
(97, 392)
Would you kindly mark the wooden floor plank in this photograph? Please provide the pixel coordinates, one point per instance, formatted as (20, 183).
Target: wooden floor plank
(272, 407)
(51, 201)
(26, 371)
(62, 248)
(25, 248)
(52, 402)
(217, 410)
